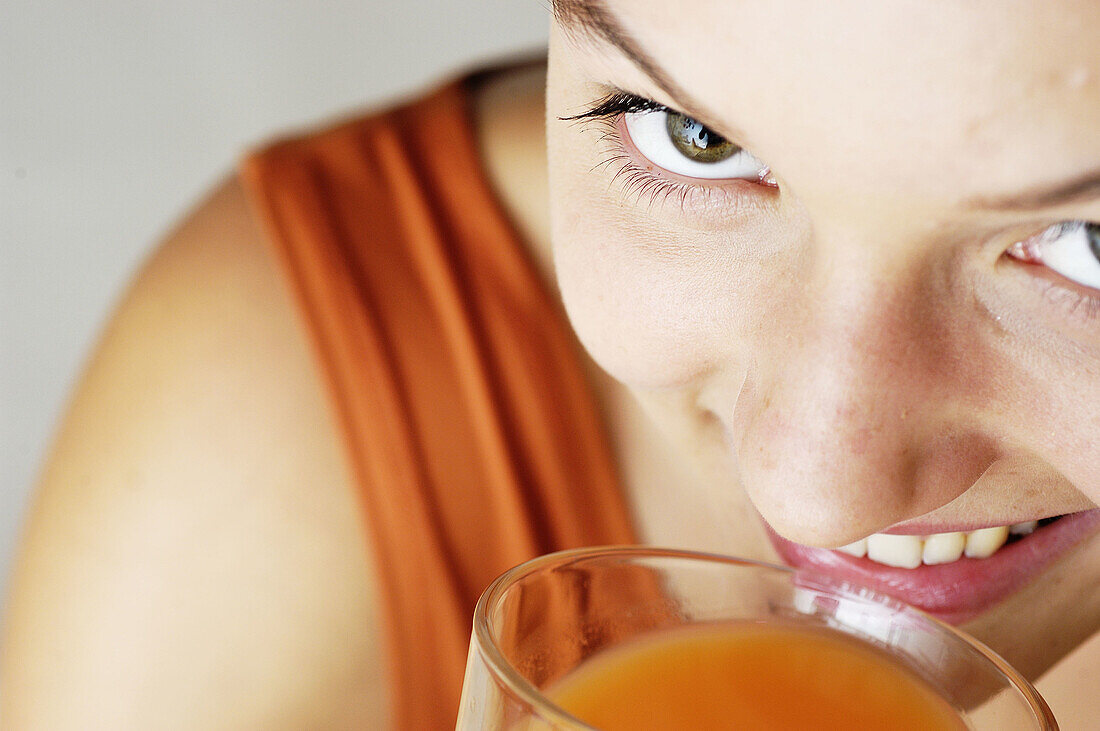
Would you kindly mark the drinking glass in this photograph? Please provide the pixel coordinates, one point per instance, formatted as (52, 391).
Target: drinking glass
(542, 619)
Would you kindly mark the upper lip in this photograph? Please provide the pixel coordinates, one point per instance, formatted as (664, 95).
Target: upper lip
(918, 528)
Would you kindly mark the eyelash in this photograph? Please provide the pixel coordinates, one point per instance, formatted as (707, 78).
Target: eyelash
(634, 180)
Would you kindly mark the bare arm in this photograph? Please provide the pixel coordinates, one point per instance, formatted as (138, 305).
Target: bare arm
(195, 556)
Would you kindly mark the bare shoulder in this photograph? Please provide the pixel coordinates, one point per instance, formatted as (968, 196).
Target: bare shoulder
(195, 556)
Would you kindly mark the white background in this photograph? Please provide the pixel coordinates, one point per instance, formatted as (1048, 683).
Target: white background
(115, 116)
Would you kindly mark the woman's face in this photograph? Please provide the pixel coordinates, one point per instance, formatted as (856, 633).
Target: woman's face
(843, 250)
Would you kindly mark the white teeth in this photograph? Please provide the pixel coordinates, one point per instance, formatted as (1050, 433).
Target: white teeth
(857, 549)
(984, 543)
(901, 551)
(1023, 529)
(943, 548)
(909, 552)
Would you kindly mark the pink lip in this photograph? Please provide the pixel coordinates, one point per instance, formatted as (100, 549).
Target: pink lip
(958, 591)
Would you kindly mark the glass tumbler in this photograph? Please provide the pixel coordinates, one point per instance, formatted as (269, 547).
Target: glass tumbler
(542, 619)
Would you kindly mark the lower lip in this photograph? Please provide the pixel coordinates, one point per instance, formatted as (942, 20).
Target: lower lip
(958, 591)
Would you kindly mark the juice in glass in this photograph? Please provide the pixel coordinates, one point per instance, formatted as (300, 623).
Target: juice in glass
(750, 676)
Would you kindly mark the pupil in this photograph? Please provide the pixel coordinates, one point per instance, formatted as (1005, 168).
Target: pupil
(1092, 230)
(696, 142)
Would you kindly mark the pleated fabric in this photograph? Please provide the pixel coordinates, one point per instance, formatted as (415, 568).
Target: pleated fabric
(472, 432)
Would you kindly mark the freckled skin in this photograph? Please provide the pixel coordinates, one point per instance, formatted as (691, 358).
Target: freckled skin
(855, 350)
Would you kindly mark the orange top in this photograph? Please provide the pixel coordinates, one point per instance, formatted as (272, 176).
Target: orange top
(473, 435)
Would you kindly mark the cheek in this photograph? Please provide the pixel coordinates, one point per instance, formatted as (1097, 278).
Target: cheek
(1059, 419)
(637, 322)
(1043, 383)
(653, 307)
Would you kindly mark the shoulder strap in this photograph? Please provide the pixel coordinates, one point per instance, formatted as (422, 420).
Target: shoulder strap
(471, 430)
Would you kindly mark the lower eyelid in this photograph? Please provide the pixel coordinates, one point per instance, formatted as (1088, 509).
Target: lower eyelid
(1080, 304)
(1076, 304)
(703, 192)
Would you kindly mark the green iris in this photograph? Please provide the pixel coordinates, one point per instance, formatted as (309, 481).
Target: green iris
(696, 142)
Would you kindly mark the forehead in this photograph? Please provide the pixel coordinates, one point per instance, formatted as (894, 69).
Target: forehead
(992, 95)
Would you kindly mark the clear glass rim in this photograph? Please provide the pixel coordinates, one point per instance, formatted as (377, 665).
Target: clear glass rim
(510, 678)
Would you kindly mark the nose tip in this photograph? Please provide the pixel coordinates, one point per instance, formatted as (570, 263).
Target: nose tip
(831, 453)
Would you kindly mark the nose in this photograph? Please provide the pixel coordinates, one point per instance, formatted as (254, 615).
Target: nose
(857, 413)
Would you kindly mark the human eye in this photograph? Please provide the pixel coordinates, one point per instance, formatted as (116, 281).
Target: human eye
(660, 152)
(1070, 249)
(679, 144)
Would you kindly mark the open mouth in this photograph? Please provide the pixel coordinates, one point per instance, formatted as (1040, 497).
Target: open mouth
(955, 575)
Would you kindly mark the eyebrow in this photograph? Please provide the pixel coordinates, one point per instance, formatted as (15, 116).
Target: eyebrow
(592, 19)
(1078, 189)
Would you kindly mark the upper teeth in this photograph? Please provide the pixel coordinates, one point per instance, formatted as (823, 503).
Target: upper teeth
(909, 552)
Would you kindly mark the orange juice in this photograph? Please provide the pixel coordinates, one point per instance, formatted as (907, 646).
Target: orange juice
(750, 676)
